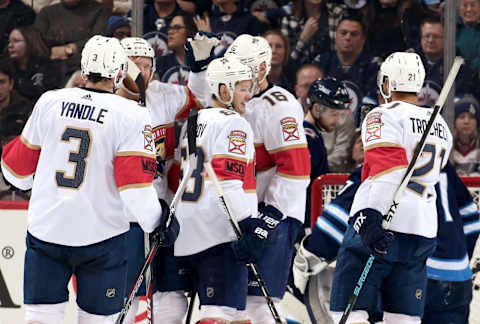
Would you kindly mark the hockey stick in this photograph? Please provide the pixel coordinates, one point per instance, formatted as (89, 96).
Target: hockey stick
(148, 281)
(238, 233)
(191, 135)
(406, 178)
(190, 308)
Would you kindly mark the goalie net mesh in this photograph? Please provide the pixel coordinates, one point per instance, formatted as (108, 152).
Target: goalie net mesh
(326, 187)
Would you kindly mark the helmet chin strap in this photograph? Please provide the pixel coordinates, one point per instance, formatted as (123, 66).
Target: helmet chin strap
(385, 96)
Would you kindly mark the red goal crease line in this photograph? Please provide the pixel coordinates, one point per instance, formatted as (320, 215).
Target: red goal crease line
(13, 204)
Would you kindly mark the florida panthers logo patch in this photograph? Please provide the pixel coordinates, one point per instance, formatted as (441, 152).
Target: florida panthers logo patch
(289, 129)
(237, 142)
(148, 138)
(373, 126)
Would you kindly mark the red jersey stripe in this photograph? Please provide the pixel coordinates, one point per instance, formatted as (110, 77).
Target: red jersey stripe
(264, 160)
(293, 162)
(20, 157)
(381, 159)
(134, 170)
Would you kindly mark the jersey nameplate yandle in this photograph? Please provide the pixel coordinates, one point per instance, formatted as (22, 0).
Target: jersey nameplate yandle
(289, 129)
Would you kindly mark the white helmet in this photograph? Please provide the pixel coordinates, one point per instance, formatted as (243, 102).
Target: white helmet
(252, 51)
(136, 46)
(104, 56)
(227, 71)
(405, 73)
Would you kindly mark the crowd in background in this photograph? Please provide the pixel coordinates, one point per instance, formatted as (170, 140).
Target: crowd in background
(41, 43)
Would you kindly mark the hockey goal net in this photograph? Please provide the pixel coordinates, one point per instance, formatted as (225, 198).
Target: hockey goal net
(326, 187)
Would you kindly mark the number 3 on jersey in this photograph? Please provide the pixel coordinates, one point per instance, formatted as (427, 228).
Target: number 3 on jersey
(78, 158)
(196, 175)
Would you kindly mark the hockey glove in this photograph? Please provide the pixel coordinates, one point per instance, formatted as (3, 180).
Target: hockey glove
(200, 51)
(368, 223)
(249, 248)
(306, 264)
(270, 215)
(166, 235)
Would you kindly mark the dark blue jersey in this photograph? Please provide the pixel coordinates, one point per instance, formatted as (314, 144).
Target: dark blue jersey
(328, 231)
(318, 160)
(171, 71)
(458, 228)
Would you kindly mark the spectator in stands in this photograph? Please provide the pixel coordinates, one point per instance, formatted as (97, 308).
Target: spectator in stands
(34, 73)
(228, 19)
(66, 26)
(76, 80)
(384, 18)
(431, 52)
(468, 32)
(351, 62)
(12, 105)
(119, 7)
(465, 155)
(118, 27)
(170, 67)
(13, 13)
(157, 16)
(357, 150)
(310, 28)
(280, 73)
(14, 112)
(306, 74)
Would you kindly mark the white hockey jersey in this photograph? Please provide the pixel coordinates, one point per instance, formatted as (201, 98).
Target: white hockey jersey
(93, 158)
(390, 134)
(225, 139)
(282, 156)
(167, 104)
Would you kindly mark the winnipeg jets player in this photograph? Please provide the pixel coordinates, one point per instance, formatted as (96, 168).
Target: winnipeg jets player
(282, 169)
(390, 134)
(207, 242)
(167, 104)
(93, 157)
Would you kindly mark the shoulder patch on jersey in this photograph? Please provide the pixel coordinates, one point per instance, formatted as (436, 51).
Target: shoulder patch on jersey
(373, 126)
(237, 142)
(289, 129)
(148, 138)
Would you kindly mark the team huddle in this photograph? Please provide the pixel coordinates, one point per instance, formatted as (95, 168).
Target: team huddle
(216, 175)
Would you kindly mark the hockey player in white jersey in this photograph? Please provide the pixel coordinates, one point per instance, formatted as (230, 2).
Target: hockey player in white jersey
(207, 241)
(282, 170)
(167, 104)
(93, 158)
(390, 134)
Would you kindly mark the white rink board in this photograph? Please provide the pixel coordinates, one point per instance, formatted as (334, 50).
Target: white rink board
(13, 230)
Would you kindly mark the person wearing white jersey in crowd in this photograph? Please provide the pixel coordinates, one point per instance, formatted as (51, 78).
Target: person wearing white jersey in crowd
(207, 241)
(282, 171)
(390, 134)
(93, 158)
(167, 104)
